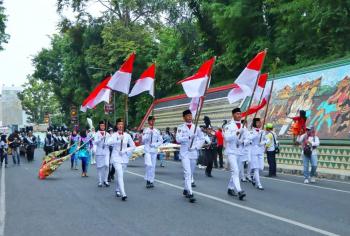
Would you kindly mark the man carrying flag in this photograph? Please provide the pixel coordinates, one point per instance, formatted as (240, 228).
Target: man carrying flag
(190, 142)
(152, 139)
(234, 136)
(188, 136)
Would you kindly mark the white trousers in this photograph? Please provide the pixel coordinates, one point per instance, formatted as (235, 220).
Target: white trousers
(188, 165)
(150, 163)
(257, 177)
(102, 173)
(119, 184)
(234, 180)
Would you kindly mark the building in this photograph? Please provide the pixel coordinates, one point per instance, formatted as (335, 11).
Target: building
(11, 112)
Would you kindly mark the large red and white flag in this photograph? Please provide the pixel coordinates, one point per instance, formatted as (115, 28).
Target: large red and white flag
(245, 82)
(121, 79)
(195, 85)
(264, 100)
(145, 82)
(100, 94)
(260, 86)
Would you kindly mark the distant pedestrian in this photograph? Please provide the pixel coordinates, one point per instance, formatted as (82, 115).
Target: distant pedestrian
(309, 143)
(14, 143)
(3, 150)
(30, 145)
(271, 149)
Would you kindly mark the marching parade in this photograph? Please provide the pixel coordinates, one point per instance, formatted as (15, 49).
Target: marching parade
(174, 117)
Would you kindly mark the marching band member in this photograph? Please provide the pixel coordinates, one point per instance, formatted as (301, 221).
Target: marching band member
(257, 137)
(234, 135)
(190, 142)
(152, 139)
(120, 141)
(102, 154)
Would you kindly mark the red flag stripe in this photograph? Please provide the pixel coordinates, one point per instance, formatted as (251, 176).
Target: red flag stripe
(128, 64)
(204, 70)
(97, 89)
(150, 72)
(262, 80)
(257, 62)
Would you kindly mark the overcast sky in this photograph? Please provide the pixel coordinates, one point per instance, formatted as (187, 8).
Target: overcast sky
(30, 22)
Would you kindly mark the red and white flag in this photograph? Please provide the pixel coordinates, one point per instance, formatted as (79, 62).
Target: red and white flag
(264, 100)
(194, 104)
(246, 80)
(100, 94)
(145, 82)
(195, 85)
(260, 86)
(121, 79)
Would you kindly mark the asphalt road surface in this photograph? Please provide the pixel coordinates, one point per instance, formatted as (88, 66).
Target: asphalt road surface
(66, 204)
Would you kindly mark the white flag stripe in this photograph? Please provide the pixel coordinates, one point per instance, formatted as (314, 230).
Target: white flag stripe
(102, 96)
(141, 85)
(194, 105)
(120, 81)
(195, 87)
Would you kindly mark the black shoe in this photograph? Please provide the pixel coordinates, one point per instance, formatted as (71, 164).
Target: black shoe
(124, 198)
(99, 185)
(191, 198)
(106, 184)
(185, 192)
(117, 194)
(231, 192)
(241, 195)
(148, 184)
(253, 183)
(151, 185)
(193, 185)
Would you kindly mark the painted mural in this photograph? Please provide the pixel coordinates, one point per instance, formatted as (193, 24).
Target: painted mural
(324, 95)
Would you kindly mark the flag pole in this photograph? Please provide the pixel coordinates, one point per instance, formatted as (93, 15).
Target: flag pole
(201, 102)
(261, 96)
(274, 68)
(251, 99)
(154, 91)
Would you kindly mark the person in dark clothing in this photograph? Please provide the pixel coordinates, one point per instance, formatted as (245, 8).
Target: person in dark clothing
(30, 144)
(15, 143)
(3, 150)
(210, 149)
(48, 143)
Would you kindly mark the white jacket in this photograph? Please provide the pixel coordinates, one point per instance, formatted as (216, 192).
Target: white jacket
(184, 137)
(102, 149)
(257, 145)
(121, 152)
(235, 139)
(152, 139)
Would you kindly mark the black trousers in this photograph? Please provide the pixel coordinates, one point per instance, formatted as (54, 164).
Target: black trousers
(221, 159)
(271, 159)
(111, 173)
(210, 155)
(30, 154)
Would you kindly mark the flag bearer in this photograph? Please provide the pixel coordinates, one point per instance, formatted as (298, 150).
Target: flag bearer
(102, 154)
(190, 142)
(151, 139)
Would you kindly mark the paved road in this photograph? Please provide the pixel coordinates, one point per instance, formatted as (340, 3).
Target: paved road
(67, 204)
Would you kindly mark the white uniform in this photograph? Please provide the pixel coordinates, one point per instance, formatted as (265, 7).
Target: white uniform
(257, 140)
(234, 138)
(151, 139)
(188, 154)
(102, 155)
(120, 156)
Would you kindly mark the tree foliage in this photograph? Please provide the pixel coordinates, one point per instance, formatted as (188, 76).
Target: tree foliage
(179, 35)
(3, 18)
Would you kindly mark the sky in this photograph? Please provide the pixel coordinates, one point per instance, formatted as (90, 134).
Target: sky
(30, 23)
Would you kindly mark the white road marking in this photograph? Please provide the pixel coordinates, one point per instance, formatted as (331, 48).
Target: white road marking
(320, 179)
(2, 201)
(307, 185)
(292, 182)
(286, 220)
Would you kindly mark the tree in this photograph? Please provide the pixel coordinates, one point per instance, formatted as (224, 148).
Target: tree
(3, 36)
(38, 98)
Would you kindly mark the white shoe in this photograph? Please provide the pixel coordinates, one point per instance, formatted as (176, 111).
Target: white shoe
(313, 180)
(306, 181)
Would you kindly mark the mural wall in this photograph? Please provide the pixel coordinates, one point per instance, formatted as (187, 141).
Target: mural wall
(324, 95)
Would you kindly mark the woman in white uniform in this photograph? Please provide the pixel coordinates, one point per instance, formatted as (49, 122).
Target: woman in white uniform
(123, 146)
(102, 154)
